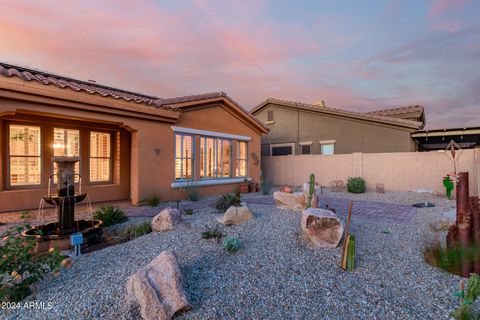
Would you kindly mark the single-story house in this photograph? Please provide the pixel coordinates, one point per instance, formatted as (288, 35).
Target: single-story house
(131, 145)
(301, 128)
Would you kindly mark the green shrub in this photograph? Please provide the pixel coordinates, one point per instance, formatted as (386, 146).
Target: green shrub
(356, 185)
(231, 245)
(135, 231)
(226, 201)
(110, 215)
(20, 267)
(188, 212)
(153, 201)
(214, 232)
(193, 191)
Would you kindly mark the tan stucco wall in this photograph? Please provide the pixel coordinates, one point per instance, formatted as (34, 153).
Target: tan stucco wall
(147, 167)
(294, 126)
(398, 171)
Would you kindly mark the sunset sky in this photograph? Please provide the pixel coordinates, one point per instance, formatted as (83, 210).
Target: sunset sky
(357, 55)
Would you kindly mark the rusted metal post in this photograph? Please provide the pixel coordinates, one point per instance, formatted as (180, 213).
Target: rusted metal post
(462, 198)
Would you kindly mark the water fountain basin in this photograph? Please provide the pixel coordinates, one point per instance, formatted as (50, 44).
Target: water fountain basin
(56, 200)
(49, 236)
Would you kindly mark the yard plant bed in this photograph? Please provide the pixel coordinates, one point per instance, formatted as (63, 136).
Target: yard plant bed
(273, 276)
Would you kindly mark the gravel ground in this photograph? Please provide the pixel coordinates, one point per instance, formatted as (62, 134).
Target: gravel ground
(273, 276)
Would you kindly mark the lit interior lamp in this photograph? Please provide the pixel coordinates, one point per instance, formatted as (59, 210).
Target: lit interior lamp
(58, 146)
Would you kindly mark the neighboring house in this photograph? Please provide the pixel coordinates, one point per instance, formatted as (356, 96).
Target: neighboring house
(300, 128)
(131, 146)
(438, 139)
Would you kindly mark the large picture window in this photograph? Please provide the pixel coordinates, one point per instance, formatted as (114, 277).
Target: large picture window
(183, 156)
(24, 155)
(215, 160)
(242, 156)
(66, 143)
(100, 156)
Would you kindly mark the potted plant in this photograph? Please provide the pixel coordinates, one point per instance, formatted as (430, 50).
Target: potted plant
(244, 186)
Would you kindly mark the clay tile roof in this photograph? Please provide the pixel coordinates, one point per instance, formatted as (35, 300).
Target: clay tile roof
(170, 102)
(46, 78)
(398, 111)
(342, 112)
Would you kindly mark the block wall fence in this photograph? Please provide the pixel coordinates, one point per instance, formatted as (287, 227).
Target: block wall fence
(401, 171)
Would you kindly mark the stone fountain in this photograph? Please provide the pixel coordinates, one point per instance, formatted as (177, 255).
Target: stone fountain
(57, 234)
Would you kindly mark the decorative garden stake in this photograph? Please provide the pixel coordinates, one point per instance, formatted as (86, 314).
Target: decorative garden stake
(448, 184)
(311, 190)
(343, 264)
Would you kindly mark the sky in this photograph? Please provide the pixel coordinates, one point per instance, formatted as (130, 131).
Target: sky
(357, 55)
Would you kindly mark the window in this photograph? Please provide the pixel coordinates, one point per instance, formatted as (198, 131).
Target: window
(282, 151)
(24, 155)
(66, 142)
(306, 149)
(100, 156)
(328, 149)
(242, 157)
(215, 157)
(183, 156)
(270, 116)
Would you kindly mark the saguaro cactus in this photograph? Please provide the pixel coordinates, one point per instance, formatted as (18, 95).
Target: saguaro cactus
(351, 253)
(448, 184)
(311, 190)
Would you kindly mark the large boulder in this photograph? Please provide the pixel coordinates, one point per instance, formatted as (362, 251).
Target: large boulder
(167, 219)
(321, 227)
(293, 201)
(236, 215)
(157, 288)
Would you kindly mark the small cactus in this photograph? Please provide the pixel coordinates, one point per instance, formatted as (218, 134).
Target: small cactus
(448, 184)
(311, 190)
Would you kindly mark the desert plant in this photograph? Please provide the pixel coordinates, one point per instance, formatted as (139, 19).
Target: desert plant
(231, 245)
(226, 201)
(110, 215)
(449, 259)
(193, 191)
(351, 253)
(311, 190)
(214, 232)
(135, 231)
(20, 266)
(448, 184)
(153, 201)
(265, 185)
(188, 212)
(356, 185)
(468, 297)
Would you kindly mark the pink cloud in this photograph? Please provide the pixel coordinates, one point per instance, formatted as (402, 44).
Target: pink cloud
(441, 7)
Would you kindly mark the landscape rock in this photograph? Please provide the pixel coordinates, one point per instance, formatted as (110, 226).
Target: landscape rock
(157, 288)
(286, 189)
(293, 201)
(236, 215)
(321, 227)
(167, 219)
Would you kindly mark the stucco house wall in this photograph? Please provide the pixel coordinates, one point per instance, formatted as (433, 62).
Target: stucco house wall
(298, 126)
(143, 144)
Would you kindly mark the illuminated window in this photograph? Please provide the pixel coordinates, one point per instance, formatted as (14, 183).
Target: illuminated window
(215, 158)
(242, 157)
(66, 143)
(100, 156)
(24, 155)
(183, 156)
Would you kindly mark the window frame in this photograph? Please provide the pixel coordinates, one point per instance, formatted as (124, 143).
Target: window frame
(238, 159)
(327, 142)
(9, 156)
(183, 134)
(217, 160)
(292, 145)
(110, 157)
